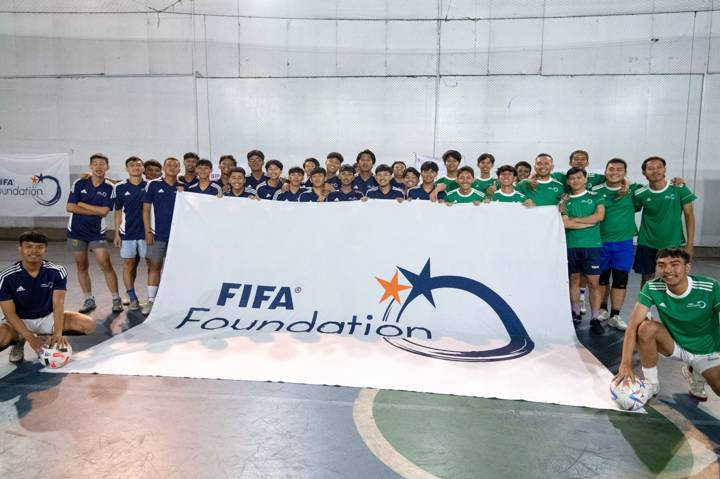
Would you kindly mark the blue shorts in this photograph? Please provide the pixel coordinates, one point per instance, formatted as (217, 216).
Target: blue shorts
(617, 255)
(130, 249)
(645, 260)
(584, 260)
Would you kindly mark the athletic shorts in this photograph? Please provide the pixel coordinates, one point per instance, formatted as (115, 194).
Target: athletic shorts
(42, 325)
(617, 255)
(645, 260)
(157, 250)
(80, 245)
(584, 261)
(699, 362)
(130, 249)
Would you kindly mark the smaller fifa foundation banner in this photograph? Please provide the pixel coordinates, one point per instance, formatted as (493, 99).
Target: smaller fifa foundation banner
(34, 185)
(468, 300)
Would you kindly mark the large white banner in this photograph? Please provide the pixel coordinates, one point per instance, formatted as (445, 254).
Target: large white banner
(34, 185)
(468, 300)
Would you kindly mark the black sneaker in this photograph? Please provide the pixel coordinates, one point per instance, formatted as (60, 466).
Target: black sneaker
(596, 326)
(577, 318)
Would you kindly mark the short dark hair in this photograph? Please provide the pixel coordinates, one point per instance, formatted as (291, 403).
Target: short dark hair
(99, 156)
(318, 170)
(273, 162)
(131, 159)
(673, 253)
(522, 163)
(256, 153)
(574, 171)
(466, 169)
(413, 171)
(227, 157)
(383, 167)
(33, 237)
(190, 154)
(505, 168)
(366, 152)
(347, 167)
(238, 169)
(396, 162)
(336, 155)
(486, 156)
(618, 161)
(296, 169)
(579, 152)
(204, 162)
(152, 163)
(314, 161)
(652, 158)
(429, 165)
(544, 154)
(454, 153)
(170, 158)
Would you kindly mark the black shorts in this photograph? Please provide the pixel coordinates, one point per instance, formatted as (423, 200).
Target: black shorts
(645, 259)
(584, 260)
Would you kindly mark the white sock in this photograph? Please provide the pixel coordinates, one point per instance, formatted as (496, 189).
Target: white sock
(89, 296)
(152, 292)
(651, 375)
(116, 296)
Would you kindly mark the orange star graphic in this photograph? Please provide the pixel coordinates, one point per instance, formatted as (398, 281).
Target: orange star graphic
(392, 288)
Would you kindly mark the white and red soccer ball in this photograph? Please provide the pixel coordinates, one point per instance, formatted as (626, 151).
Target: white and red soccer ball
(54, 358)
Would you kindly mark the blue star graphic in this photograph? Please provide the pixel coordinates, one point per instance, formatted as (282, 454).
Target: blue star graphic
(421, 284)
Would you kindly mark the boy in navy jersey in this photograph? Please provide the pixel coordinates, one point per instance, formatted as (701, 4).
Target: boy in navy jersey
(189, 179)
(204, 186)
(129, 231)
(256, 160)
(90, 200)
(364, 179)
(345, 192)
(318, 193)
(237, 183)
(309, 165)
(227, 163)
(384, 190)
(398, 174)
(332, 164)
(411, 178)
(295, 186)
(153, 170)
(158, 205)
(267, 189)
(32, 299)
(426, 190)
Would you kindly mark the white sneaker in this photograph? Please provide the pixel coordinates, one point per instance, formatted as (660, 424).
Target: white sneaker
(617, 323)
(652, 388)
(604, 315)
(696, 384)
(17, 352)
(147, 308)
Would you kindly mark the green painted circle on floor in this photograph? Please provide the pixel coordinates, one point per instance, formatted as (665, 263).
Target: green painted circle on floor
(461, 437)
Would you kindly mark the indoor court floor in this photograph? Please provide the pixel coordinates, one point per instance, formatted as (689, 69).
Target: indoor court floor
(77, 425)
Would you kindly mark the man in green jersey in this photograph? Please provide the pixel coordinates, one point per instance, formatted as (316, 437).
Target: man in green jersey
(452, 160)
(507, 192)
(688, 330)
(542, 189)
(663, 205)
(465, 193)
(486, 183)
(580, 159)
(582, 212)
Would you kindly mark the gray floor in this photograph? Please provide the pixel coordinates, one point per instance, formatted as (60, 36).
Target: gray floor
(116, 426)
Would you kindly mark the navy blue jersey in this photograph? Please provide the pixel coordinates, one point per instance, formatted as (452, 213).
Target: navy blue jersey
(338, 195)
(89, 227)
(188, 183)
(419, 193)
(308, 183)
(213, 189)
(308, 196)
(362, 185)
(393, 194)
(334, 181)
(222, 185)
(128, 199)
(252, 182)
(397, 184)
(266, 191)
(289, 195)
(32, 296)
(161, 196)
(247, 193)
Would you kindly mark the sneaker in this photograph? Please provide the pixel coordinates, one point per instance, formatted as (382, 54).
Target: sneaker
(88, 306)
(652, 388)
(696, 384)
(604, 315)
(617, 323)
(117, 306)
(596, 326)
(576, 318)
(147, 308)
(17, 353)
(134, 305)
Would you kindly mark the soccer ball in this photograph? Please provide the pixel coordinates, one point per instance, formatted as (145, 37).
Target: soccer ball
(54, 358)
(629, 396)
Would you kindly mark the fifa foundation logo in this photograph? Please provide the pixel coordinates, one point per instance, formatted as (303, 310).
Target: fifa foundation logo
(395, 326)
(44, 189)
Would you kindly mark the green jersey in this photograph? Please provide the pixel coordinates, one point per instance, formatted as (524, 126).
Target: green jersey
(619, 223)
(593, 179)
(456, 197)
(449, 183)
(578, 206)
(546, 192)
(514, 197)
(661, 221)
(482, 184)
(692, 317)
